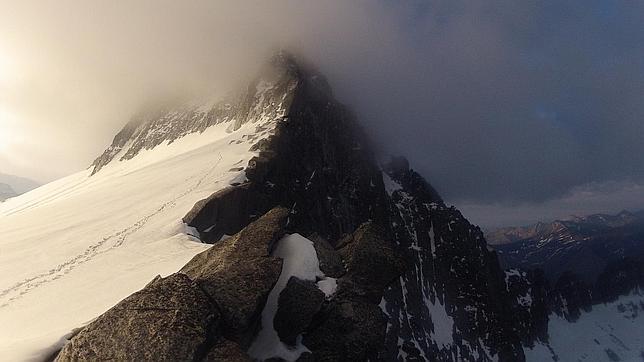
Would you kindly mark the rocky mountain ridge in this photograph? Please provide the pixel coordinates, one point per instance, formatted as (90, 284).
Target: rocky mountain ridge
(400, 275)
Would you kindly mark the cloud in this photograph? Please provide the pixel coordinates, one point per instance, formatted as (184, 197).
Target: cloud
(501, 101)
(608, 197)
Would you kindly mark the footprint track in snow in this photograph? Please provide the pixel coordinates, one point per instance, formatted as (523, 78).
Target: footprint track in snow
(23, 287)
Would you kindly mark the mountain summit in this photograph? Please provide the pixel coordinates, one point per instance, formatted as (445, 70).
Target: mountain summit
(266, 98)
(411, 277)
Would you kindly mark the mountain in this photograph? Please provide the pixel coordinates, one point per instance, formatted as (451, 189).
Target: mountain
(258, 227)
(11, 186)
(584, 280)
(6, 192)
(405, 266)
(582, 245)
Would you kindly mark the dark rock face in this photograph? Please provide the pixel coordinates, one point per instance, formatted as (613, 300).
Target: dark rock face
(371, 264)
(570, 296)
(351, 326)
(230, 207)
(528, 292)
(451, 303)
(170, 319)
(317, 162)
(619, 278)
(349, 331)
(298, 303)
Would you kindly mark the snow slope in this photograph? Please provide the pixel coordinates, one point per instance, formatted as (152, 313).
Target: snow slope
(73, 248)
(610, 332)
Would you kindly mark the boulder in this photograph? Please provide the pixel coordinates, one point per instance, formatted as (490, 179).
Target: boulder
(225, 350)
(238, 273)
(297, 304)
(170, 319)
(371, 264)
(348, 331)
(352, 326)
(330, 260)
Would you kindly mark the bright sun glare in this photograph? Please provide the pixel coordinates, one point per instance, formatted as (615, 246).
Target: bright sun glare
(5, 116)
(5, 133)
(5, 68)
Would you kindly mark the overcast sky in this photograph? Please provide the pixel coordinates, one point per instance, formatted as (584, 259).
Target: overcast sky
(514, 110)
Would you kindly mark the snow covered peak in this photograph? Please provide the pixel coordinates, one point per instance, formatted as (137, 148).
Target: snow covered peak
(267, 97)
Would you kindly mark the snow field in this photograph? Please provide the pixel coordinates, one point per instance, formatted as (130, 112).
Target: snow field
(73, 248)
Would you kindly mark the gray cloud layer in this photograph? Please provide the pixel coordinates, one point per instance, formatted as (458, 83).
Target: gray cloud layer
(495, 101)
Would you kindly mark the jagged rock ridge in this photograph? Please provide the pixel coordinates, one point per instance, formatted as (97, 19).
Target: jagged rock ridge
(415, 280)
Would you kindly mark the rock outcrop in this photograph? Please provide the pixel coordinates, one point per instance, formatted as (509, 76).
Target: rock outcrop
(298, 303)
(352, 326)
(208, 311)
(170, 319)
(238, 273)
(329, 258)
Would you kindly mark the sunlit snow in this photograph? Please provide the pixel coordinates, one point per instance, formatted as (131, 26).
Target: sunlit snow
(72, 249)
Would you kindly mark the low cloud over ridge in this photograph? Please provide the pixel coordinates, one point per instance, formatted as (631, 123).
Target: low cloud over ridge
(495, 102)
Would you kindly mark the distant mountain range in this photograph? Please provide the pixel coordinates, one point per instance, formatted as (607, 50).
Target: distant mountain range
(582, 245)
(11, 186)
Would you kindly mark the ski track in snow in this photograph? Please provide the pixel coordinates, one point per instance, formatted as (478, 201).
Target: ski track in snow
(25, 286)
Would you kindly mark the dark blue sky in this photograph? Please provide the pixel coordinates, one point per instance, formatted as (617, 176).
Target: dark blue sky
(522, 101)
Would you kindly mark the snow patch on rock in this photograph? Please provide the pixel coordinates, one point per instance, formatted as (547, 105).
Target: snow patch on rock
(443, 322)
(301, 261)
(328, 286)
(391, 186)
